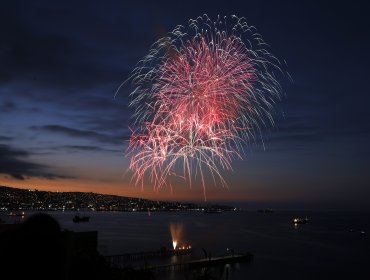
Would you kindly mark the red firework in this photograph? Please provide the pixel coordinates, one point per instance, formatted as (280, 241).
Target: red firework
(198, 100)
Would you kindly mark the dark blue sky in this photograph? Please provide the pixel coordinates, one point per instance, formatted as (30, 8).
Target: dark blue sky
(61, 128)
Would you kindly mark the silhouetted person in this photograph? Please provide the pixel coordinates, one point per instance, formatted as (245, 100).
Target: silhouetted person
(33, 250)
(205, 253)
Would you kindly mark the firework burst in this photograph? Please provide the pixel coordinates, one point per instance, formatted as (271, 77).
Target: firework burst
(200, 95)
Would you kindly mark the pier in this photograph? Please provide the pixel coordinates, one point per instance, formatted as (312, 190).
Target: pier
(200, 263)
(120, 261)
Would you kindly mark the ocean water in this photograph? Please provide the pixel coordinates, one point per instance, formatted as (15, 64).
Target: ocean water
(329, 246)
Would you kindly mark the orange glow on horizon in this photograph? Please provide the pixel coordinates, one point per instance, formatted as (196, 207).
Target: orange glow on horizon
(120, 188)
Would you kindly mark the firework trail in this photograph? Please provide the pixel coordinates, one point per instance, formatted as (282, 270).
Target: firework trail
(200, 95)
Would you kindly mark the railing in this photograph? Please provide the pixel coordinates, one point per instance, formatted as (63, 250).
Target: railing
(121, 260)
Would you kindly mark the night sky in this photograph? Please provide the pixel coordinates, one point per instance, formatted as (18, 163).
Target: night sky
(61, 129)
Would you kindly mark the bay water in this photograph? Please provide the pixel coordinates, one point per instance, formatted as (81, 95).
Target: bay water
(332, 245)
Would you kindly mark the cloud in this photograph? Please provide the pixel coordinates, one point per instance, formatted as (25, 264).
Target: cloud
(87, 134)
(13, 163)
(88, 148)
(53, 51)
(7, 106)
(74, 132)
(295, 130)
(5, 138)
